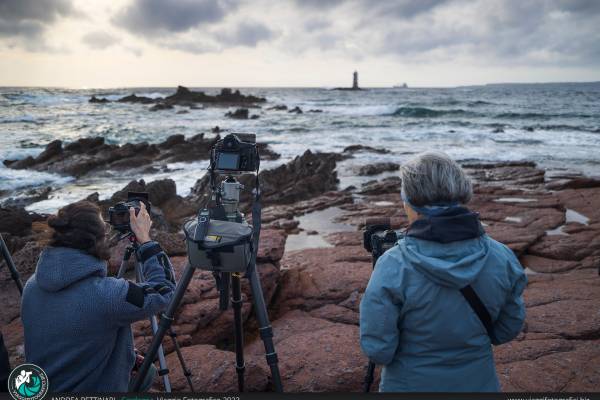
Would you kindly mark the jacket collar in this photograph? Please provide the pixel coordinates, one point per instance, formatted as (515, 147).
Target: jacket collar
(455, 225)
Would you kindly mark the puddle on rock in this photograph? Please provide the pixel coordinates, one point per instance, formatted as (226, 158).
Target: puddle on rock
(514, 219)
(514, 200)
(571, 216)
(320, 221)
(384, 203)
(574, 216)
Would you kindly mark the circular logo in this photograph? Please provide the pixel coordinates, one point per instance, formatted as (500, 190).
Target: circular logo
(28, 382)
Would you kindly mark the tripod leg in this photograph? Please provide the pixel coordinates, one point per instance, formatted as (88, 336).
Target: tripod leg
(164, 370)
(166, 319)
(186, 372)
(369, 377)
(11, 265)
(162, 362)
(236, 304)
(124, 261)
(265, 330)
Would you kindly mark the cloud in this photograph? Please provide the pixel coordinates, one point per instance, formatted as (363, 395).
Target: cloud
(155, 17)
(30, 18)
(247, 34)
(99, 40)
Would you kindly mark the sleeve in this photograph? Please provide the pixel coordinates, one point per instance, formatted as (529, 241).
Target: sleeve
(136, 301)
(380, 313)
(512, 314)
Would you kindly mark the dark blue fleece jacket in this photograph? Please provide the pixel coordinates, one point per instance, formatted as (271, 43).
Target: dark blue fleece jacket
(77, 320)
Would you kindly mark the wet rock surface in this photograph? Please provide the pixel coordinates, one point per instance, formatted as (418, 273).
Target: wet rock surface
(313, 294)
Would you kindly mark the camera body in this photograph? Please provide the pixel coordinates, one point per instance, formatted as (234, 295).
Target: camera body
(379, 236)
(118, 215)
(236, 152)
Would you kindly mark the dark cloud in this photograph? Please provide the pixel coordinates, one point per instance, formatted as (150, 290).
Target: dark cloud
(30, 18)
(153, 17)
(99, 40)
(401, 8)
(319, 4)
(316, 24)
(247, 34)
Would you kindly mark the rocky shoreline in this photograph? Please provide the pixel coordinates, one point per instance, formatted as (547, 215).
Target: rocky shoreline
(551, 222)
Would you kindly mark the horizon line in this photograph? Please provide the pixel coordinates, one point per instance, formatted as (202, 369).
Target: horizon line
(300, 87)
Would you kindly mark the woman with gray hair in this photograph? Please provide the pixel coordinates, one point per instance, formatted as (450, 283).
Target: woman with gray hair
(446, 292)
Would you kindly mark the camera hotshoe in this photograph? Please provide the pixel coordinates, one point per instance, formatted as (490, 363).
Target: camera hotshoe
(118, 215)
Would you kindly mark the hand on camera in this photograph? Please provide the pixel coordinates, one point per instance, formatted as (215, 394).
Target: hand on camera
(140, 224)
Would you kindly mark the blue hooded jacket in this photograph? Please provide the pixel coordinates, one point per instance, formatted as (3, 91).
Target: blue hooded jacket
(416, 323)
(77, 320)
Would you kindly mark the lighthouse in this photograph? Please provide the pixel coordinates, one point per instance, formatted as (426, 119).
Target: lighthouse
(355, 80)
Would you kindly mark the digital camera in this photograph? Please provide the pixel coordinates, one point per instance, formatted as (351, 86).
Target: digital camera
(379, 236)
(118, 215)
(236, 152)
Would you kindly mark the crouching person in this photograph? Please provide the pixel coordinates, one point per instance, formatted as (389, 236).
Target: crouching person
(415, 316)
(76, 319)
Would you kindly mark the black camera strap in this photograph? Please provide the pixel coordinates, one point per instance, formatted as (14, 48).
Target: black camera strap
(477, 305)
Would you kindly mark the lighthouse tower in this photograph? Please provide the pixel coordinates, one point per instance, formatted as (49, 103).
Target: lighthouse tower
(355, 80)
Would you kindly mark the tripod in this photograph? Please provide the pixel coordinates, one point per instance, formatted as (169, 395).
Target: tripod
(230, 191)
(11, 265)
(164, 370)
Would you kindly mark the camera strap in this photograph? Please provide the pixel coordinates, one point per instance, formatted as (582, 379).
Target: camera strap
(482, 312)
(256, 222)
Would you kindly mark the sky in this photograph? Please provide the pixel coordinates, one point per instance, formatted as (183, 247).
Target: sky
(307, 43)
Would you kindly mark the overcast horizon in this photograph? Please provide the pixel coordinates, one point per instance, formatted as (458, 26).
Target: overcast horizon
(296, 43)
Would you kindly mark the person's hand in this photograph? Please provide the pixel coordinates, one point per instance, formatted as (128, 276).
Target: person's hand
(140, 224)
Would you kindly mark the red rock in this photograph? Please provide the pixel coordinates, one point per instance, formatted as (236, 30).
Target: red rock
(315, 355)
(565, 370)
(316, 277)
(271, 245)
(335, 313)
(213, 371)
(574, 247)
(547, 265)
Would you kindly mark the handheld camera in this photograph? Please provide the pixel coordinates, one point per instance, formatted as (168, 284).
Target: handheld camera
(118, 215)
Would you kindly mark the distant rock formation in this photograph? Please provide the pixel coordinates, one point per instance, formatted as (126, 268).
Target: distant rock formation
(186, 97)
(240, 113)
(95, 99)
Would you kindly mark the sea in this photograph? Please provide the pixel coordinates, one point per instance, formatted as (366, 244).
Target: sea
(556, 125)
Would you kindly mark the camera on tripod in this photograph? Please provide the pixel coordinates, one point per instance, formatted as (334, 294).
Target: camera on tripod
(118, 215)
(220, 239)
(236, 152)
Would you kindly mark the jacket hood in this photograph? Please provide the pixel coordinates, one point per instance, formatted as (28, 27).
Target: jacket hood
(59, 267)
(450, 249)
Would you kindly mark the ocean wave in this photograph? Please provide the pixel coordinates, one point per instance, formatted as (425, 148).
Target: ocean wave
(519, 141)
(363, 110)
(531, 115)
(13, 179)
(23, 119)
(423, 112)
(565, 127)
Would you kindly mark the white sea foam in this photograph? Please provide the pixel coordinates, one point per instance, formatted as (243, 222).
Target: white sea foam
(14, 179)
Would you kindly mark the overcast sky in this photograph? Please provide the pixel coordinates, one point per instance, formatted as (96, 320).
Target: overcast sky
(101, 43)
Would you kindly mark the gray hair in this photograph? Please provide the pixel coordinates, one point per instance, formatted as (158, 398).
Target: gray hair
(433, 177)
